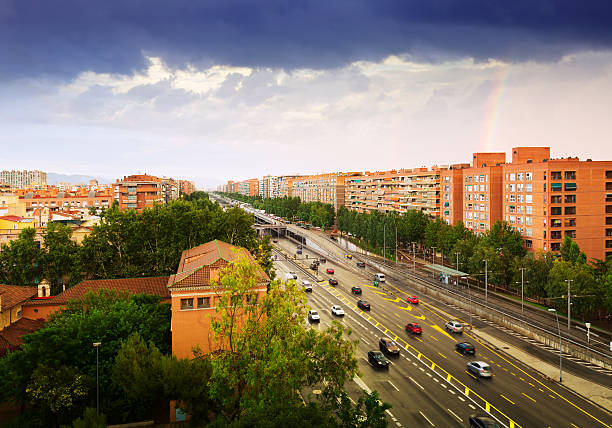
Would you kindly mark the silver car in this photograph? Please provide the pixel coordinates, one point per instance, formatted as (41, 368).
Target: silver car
(479, 368)
(454, 326)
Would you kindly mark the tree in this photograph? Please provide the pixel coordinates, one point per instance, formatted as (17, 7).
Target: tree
(587, 294)
(60, 257)
(263, 352)
(570, 251)
(20, 259)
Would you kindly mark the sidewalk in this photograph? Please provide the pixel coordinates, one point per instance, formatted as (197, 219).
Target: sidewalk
(596, 393)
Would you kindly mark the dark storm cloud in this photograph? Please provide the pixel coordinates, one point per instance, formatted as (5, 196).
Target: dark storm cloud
(60, 38)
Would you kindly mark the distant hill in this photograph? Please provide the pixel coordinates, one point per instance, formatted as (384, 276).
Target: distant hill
(54, 178)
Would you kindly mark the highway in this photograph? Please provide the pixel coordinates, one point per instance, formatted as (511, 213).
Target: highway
(447, 394)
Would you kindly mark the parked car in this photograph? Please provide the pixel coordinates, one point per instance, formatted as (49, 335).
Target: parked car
(329, 271)
(313, 316)
(413, 300)
(361, 264)
(356, 290)
(377, 359)
(333, 282)
(454, 326)
(414, 328)
(387, 346)
(299, 251)
(480, 421)
(479, 368)
(363, 305)
(337, 310)
(465, 348)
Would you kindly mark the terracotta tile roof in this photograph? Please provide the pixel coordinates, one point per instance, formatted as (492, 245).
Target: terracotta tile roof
(151, 285)
(12, 295)
(11, 218)
(11, 336)
(197, 263)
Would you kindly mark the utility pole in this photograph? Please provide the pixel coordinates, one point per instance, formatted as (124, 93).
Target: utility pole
(433, 260)
(569, 303)
(457, 254)
(384, 241)
(395, 240)
(486, 279)
(522, 288)
(414, 256)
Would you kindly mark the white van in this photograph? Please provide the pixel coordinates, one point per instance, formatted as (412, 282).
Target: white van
(380, 277)
(290, 276)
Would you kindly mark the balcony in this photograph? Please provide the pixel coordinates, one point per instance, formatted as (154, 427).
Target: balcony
(570, 175)
(556, 175)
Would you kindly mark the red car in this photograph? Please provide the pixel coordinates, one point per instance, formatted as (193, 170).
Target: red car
(329, 270)
(413, 299)
(414, 328)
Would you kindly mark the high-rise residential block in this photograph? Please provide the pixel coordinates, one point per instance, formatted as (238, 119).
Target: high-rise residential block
(23, 179)
(139, 192)
(325, 188)
(187, 187)
(451, 191)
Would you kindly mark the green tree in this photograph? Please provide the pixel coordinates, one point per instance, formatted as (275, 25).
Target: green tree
(90, 419)
(587, 295)
(570, 251)
(60, 256)
(20, 259)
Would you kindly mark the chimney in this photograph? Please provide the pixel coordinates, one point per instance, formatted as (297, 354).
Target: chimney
(44, 288)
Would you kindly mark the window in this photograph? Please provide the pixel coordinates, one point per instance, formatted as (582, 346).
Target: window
(512, 219)
(528, 209)
(555, 175)
(609, 197)
(512, 198)
(555, 211)
(528, 221)
(511, 188)
(519, 220)
(608, 220)
(608, 209)
(570, 210)
(203, 302)
(482, 207)
(528, 187)
(570, 187)
(555, 223)
(519, 187)
(570, 199)
(528, 199)
(483, 216)
(608, 174)
(570, 233)
(186, 304)
(482, 178)
(555, 246)
(570, 222)
(528, 176)
(482, 226)
(475, 179)
(608, 232)
(609, 243)
(555, 187)
(570, 175)
(528, 242)
(520, 198)
(519, 209)
(512, 177)
(251, 299)
(482, 187)
(555, 234)
(482, 197)
(555, 199)
(469, 188)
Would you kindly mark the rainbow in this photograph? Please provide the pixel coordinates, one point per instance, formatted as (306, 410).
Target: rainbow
(493, 106)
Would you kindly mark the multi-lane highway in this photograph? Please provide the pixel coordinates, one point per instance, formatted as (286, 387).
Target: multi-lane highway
(428, 384)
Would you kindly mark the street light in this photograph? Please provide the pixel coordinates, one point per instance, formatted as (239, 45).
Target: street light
(569, 303)
(413, 256)
(560, 343)
(433, 260)
(486, 279)
(97, 346)
(522, 287)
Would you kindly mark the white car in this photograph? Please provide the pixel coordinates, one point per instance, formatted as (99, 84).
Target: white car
(454, 326)
(313, 316)
(480, 368)
(307, 286)
(337, 310)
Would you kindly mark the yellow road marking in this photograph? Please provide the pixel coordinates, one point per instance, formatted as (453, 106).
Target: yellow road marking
(528, 397)
(418, 339)
(541, 390)
(512, 374)
(421, 317)
(470, 375)
(521, 379)
(574, 425)
(436, 327)
(458, 353)
(531, 384)
(397, 299)
(443, 356)
(551, 396)
(434, 338)
(501, 395)
(407, 308)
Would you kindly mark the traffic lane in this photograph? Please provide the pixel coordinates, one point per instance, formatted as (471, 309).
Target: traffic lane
(399, 384)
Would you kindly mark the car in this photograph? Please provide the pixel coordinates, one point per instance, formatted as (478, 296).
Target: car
(348, 256)
(465, 348)
(316, 262)
(275, 241)
(299, 246)
(337, 310)
(414, 328)
(299, 251)
(356, 290)
(314, 266)
(387, 346)
(481, 421)
(380, 277)
(307, 286)
(413, 299)
(361, 264)
(333, 282)
(479, 368)
(363, 305)
(329, 271)
(322, 259)
(377, 359)
(454, 326)
(313, 316)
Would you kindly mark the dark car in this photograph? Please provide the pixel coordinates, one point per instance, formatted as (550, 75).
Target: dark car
(465, 348)
(361, 264)
(322, 259)
(389, 347)
(275, 241)
(377, 359)
(363, 305)
(314, 266)
(356, 290)
(299, 251)
(478, 421)
(299, 246)
(333, 282)
(414, 328)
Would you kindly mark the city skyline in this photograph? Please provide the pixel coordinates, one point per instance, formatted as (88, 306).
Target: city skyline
(240, 90)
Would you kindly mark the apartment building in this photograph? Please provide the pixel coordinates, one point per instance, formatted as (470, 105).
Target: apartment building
(139, 192)
(325, 188)
(451, 190)
(378, 191)
(170, 189)
(187, 187)
(421, 190)
(23, 179)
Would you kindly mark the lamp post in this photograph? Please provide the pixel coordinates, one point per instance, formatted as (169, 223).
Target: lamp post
(457, 254)
(522, 287)
(97, 346)
(486, 279)
(560, 343)
(569, 303)
(470, 298)
(433, 260)
(413, 256)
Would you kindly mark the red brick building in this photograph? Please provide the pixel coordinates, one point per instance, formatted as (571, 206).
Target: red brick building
(139, 192)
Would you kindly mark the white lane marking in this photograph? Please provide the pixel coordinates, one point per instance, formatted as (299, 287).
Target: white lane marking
(428, 374)
(443, 385)
(427, 419)
(422, 369)
(416, 383)
(391, 383)
(460, 397)
(472, 407)
(364, 341)
(436, 379)
(451, 391)
(362, 384)
(455, 415)
(414, 364)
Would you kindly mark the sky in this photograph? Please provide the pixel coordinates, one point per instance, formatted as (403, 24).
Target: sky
(228, 89)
